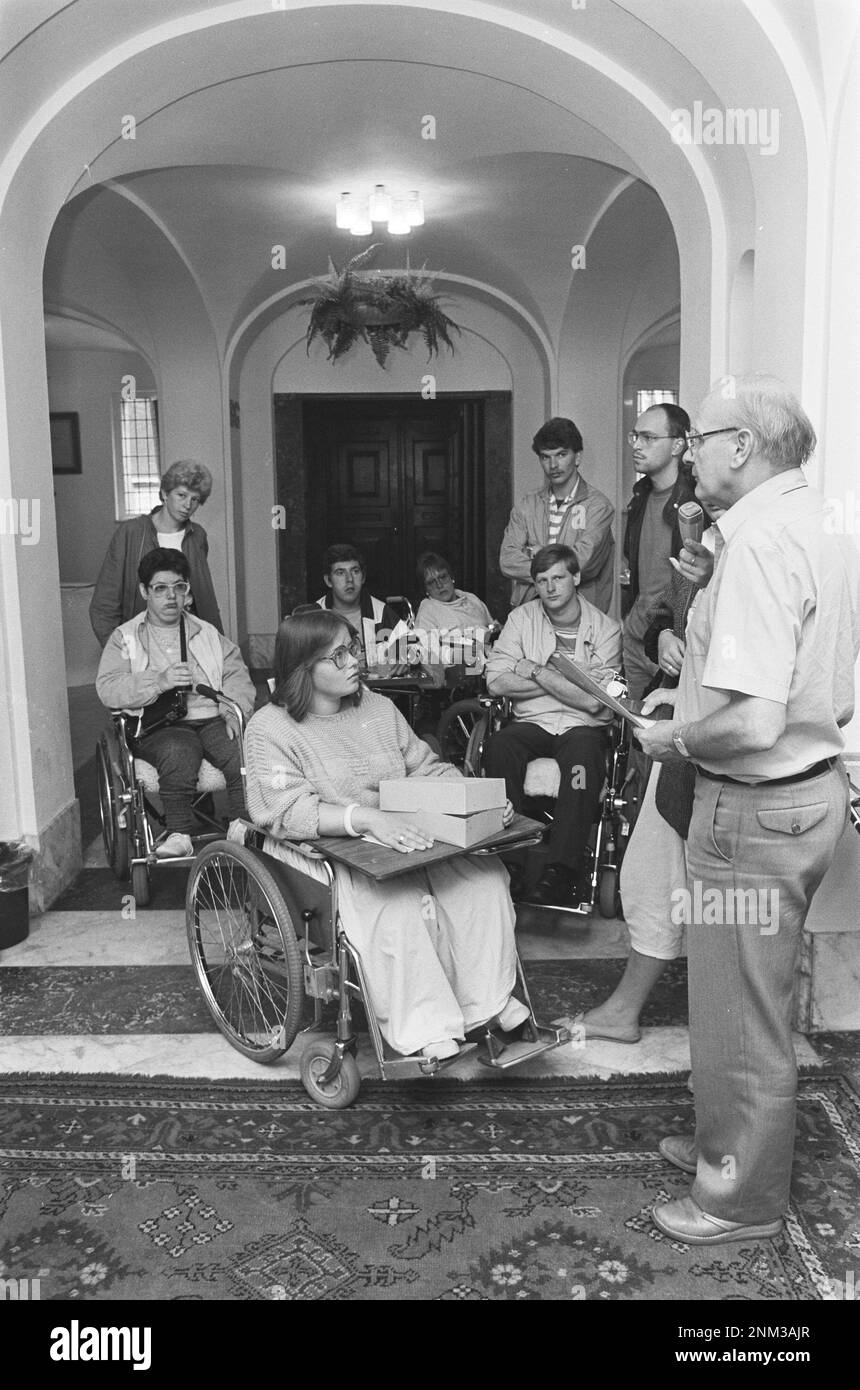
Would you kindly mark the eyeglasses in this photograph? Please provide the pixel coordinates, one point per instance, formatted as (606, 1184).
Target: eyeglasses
(635, 435)
(696, 437)
(435, 581)
(341, 655)
(161, 590)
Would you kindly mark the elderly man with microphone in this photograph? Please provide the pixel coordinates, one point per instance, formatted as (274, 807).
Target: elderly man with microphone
(766, 685)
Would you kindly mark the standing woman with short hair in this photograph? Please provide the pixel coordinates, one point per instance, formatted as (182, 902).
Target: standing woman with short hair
(116, 598)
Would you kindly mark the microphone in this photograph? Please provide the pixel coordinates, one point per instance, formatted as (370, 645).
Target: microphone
(691, 521)
(208, 692)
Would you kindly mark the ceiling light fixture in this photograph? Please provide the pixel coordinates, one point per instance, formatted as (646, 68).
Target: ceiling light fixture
(400, 212)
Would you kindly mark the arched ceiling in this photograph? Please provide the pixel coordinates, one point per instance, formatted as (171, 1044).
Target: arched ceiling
(251, 116)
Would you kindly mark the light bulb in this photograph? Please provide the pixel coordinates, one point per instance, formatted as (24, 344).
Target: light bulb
(361, 224)
(398, 222)
(344, 212)
(380, 204)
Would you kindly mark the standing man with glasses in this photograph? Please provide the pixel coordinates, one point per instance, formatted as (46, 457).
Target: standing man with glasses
(565, 511)
(652, 535)
(142, 661)
(766, 687)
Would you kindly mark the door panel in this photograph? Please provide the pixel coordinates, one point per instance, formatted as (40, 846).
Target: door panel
(394, 477)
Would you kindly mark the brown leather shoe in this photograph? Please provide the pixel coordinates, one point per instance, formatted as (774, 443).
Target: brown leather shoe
(680, 1150)
(685, 1220)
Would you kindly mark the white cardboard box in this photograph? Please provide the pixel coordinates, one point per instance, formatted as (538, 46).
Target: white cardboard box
(443, 794)
(464, 831)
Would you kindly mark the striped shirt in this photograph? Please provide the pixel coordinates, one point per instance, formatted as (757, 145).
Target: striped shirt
(558, 511)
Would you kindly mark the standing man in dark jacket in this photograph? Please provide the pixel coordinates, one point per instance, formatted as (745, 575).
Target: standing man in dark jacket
(117, 597)
(652, 535)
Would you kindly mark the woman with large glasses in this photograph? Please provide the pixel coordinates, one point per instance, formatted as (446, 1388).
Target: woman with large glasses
(437, 944)
(454, 625)
(146, 661)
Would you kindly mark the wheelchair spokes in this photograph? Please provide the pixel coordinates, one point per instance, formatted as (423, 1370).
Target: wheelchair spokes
(456, 728)
(245, 951)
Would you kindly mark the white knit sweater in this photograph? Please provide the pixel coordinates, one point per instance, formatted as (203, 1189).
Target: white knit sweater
(336, 758)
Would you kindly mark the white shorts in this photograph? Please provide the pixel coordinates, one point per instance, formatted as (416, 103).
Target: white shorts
(654, 865)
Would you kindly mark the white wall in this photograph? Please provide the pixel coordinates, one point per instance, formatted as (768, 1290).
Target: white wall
(87, 381)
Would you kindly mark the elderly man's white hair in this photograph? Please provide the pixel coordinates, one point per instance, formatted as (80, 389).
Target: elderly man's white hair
(764, 405)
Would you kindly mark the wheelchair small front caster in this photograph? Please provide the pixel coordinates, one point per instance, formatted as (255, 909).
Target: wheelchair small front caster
(140, 884)
(610, 897)
(342, 1089)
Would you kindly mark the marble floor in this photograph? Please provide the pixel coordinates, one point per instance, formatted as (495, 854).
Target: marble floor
(95, 939)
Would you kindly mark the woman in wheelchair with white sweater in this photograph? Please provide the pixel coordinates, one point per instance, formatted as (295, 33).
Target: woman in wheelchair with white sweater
(437, 944)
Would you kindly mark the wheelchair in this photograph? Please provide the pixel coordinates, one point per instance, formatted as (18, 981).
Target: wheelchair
(263, 936)
(129, 819)
(463, 735)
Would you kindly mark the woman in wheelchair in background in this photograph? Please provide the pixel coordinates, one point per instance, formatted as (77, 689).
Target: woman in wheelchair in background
(437, 945)
(460, 623)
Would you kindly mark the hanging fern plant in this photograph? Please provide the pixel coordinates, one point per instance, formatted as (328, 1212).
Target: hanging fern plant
(383, 310)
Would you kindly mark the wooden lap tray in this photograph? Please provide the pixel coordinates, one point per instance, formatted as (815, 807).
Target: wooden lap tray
(381, 863)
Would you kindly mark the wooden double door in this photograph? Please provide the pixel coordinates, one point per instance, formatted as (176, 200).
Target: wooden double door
(396, 476)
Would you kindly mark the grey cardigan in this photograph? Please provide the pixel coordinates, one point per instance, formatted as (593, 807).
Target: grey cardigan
(117, 597)
(592, 540)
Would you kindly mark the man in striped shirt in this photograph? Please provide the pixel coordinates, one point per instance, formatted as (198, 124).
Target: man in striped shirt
(565, 511)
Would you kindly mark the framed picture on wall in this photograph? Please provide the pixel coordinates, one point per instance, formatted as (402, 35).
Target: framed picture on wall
(65, 442)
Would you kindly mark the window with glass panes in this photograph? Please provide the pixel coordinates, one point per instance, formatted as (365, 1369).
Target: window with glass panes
(645, 399)
(138, 460)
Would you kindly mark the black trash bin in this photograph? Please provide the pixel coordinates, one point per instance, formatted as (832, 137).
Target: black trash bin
(14, 893)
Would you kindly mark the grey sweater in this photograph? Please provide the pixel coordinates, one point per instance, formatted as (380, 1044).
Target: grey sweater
(336, 759)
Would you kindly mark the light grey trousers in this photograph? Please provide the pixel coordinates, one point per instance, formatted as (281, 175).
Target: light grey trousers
(757, 854)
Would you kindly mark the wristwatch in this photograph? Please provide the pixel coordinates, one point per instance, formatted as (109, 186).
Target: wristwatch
(678, 740)
(535, 671)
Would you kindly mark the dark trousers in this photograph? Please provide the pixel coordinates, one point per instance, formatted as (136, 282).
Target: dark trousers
(581, 756)
(176, 753)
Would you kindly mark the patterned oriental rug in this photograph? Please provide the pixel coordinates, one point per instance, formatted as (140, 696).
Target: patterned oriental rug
(136, 1188)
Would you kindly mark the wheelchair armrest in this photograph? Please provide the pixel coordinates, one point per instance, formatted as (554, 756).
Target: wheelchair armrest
(246, 833)
(304, 848)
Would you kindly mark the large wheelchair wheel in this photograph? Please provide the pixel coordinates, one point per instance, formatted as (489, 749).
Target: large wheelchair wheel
(455, 729)
(473, 761)
(244, 950)
(116, 839)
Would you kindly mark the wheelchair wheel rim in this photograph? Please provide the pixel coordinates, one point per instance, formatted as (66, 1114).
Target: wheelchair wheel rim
(107, 807)
(240, 955)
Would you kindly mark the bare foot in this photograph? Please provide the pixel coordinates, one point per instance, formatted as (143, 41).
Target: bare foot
(604, 1022)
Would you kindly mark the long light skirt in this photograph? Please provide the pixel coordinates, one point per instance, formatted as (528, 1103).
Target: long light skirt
(437, 945)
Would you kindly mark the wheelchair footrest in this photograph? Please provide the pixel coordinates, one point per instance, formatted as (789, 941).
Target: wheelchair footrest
(499, 1053)
(397, 1065)
(583, 908)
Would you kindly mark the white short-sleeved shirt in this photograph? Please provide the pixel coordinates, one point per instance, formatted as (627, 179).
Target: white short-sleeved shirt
(780, 620)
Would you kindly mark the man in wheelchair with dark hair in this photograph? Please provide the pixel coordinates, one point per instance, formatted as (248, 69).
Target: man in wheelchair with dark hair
(552, 717)
(151, 667)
